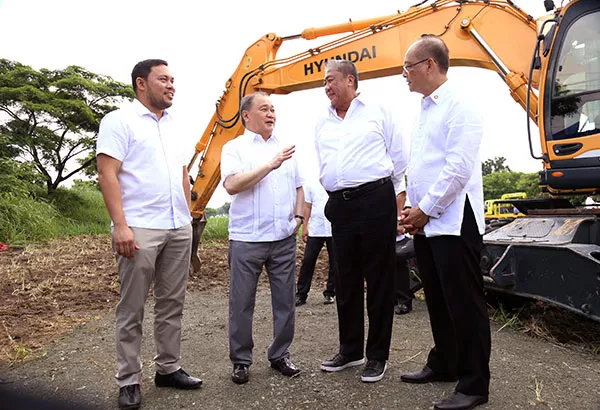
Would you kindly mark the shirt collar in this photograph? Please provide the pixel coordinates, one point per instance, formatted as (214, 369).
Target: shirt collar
(439, 94)
(141, 110)
(251, 136)
(359, 99)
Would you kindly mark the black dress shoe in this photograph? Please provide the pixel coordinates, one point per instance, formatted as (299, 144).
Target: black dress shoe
(129, 397)
(285, 366)
(459, 401)
(179, 380)
(426, 376)
(240, 374)
(300, 300)
(402, 309)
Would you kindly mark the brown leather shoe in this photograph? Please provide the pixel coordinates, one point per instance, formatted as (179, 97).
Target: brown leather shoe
(130, 397)
(426, 376)
(460, 401)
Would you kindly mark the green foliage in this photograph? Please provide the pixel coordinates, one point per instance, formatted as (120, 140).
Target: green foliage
(494, 165)
(498, 183)
(210, 212)
(216, 228)
(18, 179)
(51, 117)
(76, 211)
(224, 209)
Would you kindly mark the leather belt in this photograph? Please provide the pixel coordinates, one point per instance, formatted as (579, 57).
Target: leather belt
(348, 194)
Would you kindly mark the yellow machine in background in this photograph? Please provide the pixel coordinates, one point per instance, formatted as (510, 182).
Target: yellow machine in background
(552, 254)
(504, 208)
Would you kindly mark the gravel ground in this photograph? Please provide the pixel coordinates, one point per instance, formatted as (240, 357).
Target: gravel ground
(526, 372)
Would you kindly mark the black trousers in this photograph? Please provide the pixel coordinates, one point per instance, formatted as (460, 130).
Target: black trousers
(364, 232)
(314, 244)
(403, 293)
(453, 285)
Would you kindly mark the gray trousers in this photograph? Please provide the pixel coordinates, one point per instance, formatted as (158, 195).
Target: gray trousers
(163, 260)
(246, 260)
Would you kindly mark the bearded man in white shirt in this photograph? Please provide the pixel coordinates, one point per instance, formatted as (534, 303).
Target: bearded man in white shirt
(262, 177)
(445, 189)
(144, 180)
(362, 160)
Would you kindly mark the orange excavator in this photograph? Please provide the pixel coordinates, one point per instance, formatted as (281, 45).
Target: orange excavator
(551, 67)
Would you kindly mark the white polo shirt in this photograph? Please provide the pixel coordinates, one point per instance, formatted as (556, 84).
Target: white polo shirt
(445, 165)
(318, 224)
(265, 212)
(364, 146)
(151, 173)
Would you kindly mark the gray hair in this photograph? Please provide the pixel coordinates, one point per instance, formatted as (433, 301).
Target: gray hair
(247, 101)
(345, 67)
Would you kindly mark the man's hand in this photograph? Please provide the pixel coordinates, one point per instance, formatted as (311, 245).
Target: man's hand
(414, 219)
(400, 229)
(282, 156)
(125, 244)
(305, 234)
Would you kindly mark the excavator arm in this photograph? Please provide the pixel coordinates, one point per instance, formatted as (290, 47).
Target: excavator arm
(495, 35)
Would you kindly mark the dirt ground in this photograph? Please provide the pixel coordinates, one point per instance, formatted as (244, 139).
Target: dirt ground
(57, 314)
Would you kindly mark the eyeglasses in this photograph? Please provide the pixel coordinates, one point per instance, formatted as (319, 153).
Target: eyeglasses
(407, 67)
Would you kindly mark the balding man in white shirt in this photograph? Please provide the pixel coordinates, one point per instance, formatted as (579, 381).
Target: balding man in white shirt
(362, 160)
(261, 175)
(144, 181)
(446, 193)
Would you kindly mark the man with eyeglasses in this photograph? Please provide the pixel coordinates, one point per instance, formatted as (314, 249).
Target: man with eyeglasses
(445, 189)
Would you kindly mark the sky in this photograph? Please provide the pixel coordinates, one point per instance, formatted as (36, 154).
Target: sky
(204, 41)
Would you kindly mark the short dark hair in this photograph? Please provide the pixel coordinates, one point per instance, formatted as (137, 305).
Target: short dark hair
(434, 47)
(247, 101)
(143, 68)
(345, 67)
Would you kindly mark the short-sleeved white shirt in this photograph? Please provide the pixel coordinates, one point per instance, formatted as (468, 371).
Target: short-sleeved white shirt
(151, 173)
(316, 196)
(265, 212)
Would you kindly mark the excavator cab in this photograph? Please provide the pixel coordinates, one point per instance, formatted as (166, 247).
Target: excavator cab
(570, 112)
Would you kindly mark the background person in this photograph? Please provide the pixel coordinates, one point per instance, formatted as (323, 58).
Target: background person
(316, 232)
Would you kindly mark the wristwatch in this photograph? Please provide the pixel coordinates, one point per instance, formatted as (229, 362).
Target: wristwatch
(299, 217)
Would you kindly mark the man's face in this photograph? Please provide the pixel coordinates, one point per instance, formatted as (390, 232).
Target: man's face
(416, 68)
(159, 87)
(338, 87)
(260, 118)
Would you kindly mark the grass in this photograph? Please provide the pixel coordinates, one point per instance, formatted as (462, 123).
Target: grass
(67, 212)
(216, 228)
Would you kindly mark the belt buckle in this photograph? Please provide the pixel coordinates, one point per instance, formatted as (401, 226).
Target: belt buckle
(344, 195)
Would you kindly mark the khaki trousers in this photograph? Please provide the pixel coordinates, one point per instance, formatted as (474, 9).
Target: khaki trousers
(163, 261)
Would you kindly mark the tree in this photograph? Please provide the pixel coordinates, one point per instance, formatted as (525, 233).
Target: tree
(494, 165)
(224, 209)
(51, 117)
(498, 183)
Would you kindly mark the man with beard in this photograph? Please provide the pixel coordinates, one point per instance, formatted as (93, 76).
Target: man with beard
(146, 189)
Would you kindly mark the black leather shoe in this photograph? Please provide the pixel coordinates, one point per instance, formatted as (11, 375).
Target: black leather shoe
(179, 380)
(240, 374)
(340, 362)
(285, 366)
(130, 397)
(459, 401)
(402, 309)
(329, 300)
(300, 300)
(426, 376)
